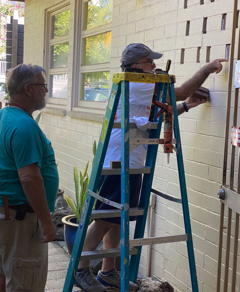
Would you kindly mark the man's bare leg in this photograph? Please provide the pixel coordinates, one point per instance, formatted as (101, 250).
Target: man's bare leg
(111, 240)
(96, 231)
(2, 284)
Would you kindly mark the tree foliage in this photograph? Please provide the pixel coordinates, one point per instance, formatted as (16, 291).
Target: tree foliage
(7, 9)
(61, 24)
(99, 13)
(60, 55)
(98, 48)
(60, 28)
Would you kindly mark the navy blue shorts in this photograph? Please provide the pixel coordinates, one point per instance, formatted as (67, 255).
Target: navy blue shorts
(111, 189)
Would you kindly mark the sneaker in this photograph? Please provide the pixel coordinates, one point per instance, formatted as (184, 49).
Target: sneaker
(112, 279)
(87, 282)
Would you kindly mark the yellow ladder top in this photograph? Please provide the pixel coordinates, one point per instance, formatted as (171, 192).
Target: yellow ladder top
(143, 77)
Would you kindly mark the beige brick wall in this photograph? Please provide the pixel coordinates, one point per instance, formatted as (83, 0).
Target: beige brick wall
(160, 24)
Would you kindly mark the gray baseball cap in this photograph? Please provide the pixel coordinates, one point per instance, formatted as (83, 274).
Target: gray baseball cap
(133, 52)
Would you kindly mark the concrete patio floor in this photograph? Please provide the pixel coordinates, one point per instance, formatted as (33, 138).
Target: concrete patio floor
(57, 267)
(58, 260)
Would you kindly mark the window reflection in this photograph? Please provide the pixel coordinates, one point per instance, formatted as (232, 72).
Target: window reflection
(98, 48)
(59, 55)
(58, 85)
(96, 86)
(60, 24)
(99, 12)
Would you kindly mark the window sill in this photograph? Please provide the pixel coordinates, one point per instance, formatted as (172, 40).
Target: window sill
(87, 114)
(56, 101)
(55, 111)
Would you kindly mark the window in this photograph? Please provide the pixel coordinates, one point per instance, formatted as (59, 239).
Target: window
(201, 2)
(185, 4)
(223, 22)
(227, 51)
(187, 27)
(198, 54)
(208, 53)
(237, 19)
(58, 52)
(204, 27)
(96, 50)
(182, 56)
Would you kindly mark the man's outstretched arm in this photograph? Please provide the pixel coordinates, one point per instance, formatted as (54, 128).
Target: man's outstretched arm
(191, 85)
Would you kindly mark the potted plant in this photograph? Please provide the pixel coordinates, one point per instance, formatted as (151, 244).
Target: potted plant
(81, 180)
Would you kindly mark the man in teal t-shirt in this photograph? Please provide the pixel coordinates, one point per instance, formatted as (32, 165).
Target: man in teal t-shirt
(23, 143)
(29, 181)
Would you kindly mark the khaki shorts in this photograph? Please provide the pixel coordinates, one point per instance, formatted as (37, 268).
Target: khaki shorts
(23, 257)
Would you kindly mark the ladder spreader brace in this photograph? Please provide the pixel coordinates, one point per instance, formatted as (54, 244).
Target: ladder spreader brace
(130, 250)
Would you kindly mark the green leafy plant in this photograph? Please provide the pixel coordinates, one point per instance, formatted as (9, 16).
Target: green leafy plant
(81, 181)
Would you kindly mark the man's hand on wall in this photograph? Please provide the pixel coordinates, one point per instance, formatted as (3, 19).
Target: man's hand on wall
(215, 66)
(189, 87)
(201, 95)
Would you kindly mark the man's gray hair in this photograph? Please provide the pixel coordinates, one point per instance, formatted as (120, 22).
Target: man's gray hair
(20, 75)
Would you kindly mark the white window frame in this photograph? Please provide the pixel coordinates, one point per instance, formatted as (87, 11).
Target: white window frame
(83, 33)
(48, 43)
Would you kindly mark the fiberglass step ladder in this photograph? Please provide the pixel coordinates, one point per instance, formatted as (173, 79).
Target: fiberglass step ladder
(130, 250)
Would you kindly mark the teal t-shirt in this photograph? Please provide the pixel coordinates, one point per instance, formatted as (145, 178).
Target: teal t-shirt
(22, 143)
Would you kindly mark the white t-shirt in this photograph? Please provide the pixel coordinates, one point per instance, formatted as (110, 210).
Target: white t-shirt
(140, 100)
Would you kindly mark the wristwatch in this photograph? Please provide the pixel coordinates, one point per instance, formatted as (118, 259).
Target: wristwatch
(185, 106)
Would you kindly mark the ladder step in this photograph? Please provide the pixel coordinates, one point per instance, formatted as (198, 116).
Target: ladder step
(157, 240)
(151, 126)
(117, 171)
(115, 252)
(105, 253)
(99, 214)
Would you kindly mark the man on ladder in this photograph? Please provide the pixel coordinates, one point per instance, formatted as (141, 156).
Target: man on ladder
(135, 58)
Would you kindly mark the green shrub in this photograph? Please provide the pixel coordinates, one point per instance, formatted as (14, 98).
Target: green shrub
(81, 180)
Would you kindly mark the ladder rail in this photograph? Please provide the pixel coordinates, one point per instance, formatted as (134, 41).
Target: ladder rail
(146, 186)
(164, 89)
(124, 243)
(183, 189)
(93, 185)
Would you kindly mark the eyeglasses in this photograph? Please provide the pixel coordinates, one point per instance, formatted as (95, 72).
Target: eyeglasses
(145, 63)
(43, 85)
